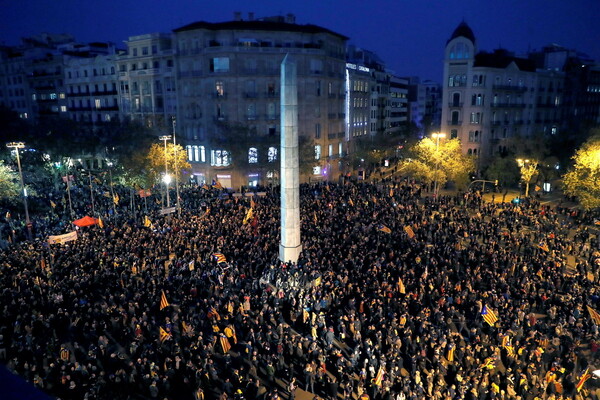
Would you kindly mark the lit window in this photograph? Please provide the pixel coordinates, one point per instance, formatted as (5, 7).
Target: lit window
(63, 108)
(220, 88)
(272, 154)
(341, 149)
(330, 149)
(189, 152)
(317, 170)
(219, 158)
(252, 155)
(219, 64)
(318, 152)
(61, 95)
(97, 103)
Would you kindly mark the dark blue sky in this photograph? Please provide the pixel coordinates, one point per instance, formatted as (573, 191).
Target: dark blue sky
(409, 35)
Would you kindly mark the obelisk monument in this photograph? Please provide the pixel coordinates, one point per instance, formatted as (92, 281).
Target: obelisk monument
(289, 247)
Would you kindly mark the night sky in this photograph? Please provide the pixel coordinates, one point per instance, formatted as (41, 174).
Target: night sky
(409, 35)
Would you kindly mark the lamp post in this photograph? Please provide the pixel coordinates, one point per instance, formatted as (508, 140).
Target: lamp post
(437, 137)
(176, 169)
(528, 169)
(166, 178)
(17, 146)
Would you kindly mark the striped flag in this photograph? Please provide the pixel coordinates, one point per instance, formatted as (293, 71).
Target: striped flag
(100, 222)
(594, 315)
(450, 353)
(384, 229)
(225, 346)
(212, 313)
(401, 287)
(147, 222)
(248, 216)
(163, 335)
(379, 377)
(409, 231)
(217, 185)
(220, 257)
(116, 199)
(187, 330)
(544, 246)
(163, 300)
(489, 316)
(351, 202)
(582, 379)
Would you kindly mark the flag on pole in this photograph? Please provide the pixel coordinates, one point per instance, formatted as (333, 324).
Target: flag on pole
(409, 231)
(248, 216)
(582, 379)
(489, 316)
(220, 258)
(147, 222)
(594, 315)
(217, 185)
(191, 265)
(163, 335)
(252, 203)
(116, 199)
(100, 222)
(163, 300)
(450, 353)
(317, 281)
(384, 229)
(544, 246)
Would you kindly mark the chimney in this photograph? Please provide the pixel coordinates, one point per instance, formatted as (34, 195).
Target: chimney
(250, 16)
(237, 16)
(290, 18)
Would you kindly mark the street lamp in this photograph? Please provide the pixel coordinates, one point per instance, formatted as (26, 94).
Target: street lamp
(167, 178)
(437, 137)
(17, 146)
(528, 169)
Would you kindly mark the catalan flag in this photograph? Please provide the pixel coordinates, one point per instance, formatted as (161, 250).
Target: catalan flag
(401, 287)
(384, 229)
(544, 246)
(225, 346)
(489, 363)
(351, 202)
(217, 185)
(489, 316)
(317, 281)
(248, 216)
(163, 300)
(100, 222)
(450, 353)
(511, 351)
(116, 199)
(220, 257)
(379, 377)
(191, 265)
(205, 187)
(187, 329)
(212, 313)
(163, 335)
(147, 222)
(409, 231)
(64, 354)
(594, 315)
(582, 379)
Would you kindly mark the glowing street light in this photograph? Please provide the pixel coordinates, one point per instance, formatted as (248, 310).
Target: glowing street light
(166, 178)
(17, 146)
(437, 137)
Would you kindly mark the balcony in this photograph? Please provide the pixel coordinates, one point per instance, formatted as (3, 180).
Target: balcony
(105, 93)
(455, 104)
(508, 105)
(513, 88)
(454, 123)
(271, 95)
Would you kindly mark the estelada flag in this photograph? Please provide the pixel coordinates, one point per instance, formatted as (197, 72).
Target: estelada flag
(582, 379)
(379, 377)
(163, 300)
(384, 229)
(450, 354)
(162, 334)
(594, 315)
(248, 216)
(489, 316)
(225, 346)
(409, 231)
(220, 258)
(544, 246)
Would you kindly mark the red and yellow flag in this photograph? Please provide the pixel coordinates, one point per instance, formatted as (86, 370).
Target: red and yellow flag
(163, 335)
(163, 300)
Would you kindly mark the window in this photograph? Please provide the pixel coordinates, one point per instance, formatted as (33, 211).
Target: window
(316, 66)
(270, 110)
(97, 103)
(135, 52)
(219, 88)
(272, 154)
(479, 101)
(453, 134)
(455, 116)
(219, 64)
(219, 158)
(318, 92)
(64, 109)
(330, 150)
(251, 111)
(317, 131)
(341, 149)
(456, 100)
(144, 51)
(252, 155)
(318, 152)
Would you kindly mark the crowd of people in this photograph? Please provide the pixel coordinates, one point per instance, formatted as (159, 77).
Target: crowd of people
(396, 296)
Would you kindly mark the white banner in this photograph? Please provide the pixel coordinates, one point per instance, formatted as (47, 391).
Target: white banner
(67, 237)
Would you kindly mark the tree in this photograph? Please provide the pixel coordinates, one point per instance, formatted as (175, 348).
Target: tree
(503, 169)
(583, 180)
(528, 168)
(176, 158)
(10, 188)
(446, 162)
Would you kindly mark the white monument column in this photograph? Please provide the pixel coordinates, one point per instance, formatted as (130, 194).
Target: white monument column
(289, 247)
